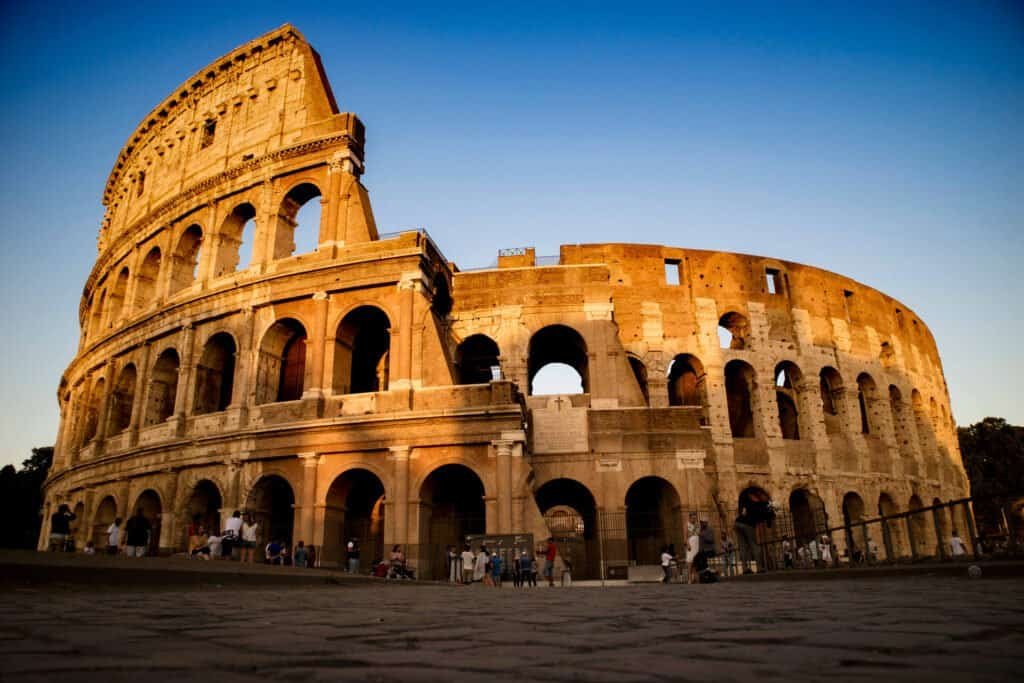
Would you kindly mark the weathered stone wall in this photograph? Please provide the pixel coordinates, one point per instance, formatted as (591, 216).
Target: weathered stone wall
(299, 384)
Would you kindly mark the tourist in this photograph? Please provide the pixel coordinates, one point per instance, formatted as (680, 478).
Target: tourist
(212, 548)
(549, 561)
(195, 534)
(301, 555)
(60, 527)
(706, 547)
(755, 509)
(454, 565)
(534, 570)
(826, 550)
(488, 581)
(787, 553)
(666, 564)
(956, 545)
(801, 556)
(468, 564)
(496, 570)
(136, 533)
(692, 549)
(352, 549)
(90, 548)
(480, 564)
(525, 570)
(728, 555)
(274, 552)
(250, 531)
(232, 533)
(113, 536)
(813, 553)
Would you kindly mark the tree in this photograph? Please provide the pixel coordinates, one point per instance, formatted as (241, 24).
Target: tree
(993, 453)
(21, 499)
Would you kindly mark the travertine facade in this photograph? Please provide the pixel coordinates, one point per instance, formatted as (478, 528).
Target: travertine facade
(349, 390)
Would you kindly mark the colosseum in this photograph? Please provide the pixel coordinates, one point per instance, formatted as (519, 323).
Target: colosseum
(251, 341)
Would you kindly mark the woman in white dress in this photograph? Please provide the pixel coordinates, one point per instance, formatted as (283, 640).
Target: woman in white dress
(480, 568)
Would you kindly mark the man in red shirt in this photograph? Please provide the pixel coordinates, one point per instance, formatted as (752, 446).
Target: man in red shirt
(549, 560)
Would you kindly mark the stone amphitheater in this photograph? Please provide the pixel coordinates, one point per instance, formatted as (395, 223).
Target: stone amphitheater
(251, 341)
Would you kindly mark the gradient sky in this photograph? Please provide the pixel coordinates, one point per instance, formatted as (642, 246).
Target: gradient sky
(882, 141)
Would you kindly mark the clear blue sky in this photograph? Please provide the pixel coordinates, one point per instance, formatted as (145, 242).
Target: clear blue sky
(883, 141)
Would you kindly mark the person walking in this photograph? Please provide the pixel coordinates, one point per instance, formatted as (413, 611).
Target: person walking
(496, 565)
(136, 533)
(468, 564)
(480, 564)
(60, 528)
(113, 536)
(301, 555)
(550, 553)
(250, 536)
(666, 564)
(352, 549)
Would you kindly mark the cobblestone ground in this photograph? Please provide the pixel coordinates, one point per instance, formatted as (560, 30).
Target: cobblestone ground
(919, 628)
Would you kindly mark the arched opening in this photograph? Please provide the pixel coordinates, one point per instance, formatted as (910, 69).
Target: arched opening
(354, 511)
(653, 519)
(740, 390)
(563, 348)
(185, 269)
(117, 298)
(163, 387)
(92, 410)
(271, 503)
(362, 352)
(787, 379)
(853, 512)
(733, 331)
(298, 222)
(926, 436)
(238, 227)
(570, 512)
(831, 386)
(474, 359)
(203, 508)
(865, 395)
(754, 508)
(215, 375)
(149, 502)
(119, 415)
(686, 382)
(451, 508)
(282, 363)
(640, 375)
(923, 545)
(441, 303)
(900, 427)
(146, 280)
(96, 315)
(808, 512)
(105, 515)
(892, 534)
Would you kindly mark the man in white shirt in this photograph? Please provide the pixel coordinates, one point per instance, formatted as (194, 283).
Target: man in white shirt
(467, 565)
(957, 545)
(666, 564)
(232, 532)
(113, 536)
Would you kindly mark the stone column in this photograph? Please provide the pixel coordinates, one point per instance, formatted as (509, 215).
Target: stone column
(245, 368)
(185, 375)
(169, 516)
(318, 347)
(104, 412)
(503, 478)
(399, 507)
(407, 288)
(142, 381)
(329, 225)
(310, 462)
(232, 494)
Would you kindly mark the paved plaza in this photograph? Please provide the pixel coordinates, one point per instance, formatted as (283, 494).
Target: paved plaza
(887, 628)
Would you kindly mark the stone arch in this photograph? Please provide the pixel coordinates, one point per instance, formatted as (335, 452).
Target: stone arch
(201, 508)
(451, 500)
(271, 502)
(298, 220)
(853, 512)
(474, 358)
(921, 539)
(215, 375)
(787, 380)
(830, 384)
(236, 227)
(96, 314)
(687, 385)
(809, 518)
(570, 511)
(92, 410)
(163, 387)
(891, 528)
(122, 400)
(281, 369)
(354, 509)
(150, 502)
(867, 393)
(741, 389)
(734, 331)
(561, 345)
(653, 519)
(102, 518)
(362, 351)
(640, 375)
(185, 260)
(118, 304)
(147, 279)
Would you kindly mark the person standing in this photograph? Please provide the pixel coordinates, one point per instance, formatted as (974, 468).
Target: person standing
(353, 555)
(496, 569)
(526, 571)
(136, 533)
(706, 546)
(787, 553)
(113, 536)
(826, 550)
(666, 564)
(956, 545)
(534, 569)
(301, 555)
(550, 553)
(728, 555)
(480, 564)
(60, 527)
(692, 550)
(454, 565)
(468, 561)
(232, 533)
(250, 535)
